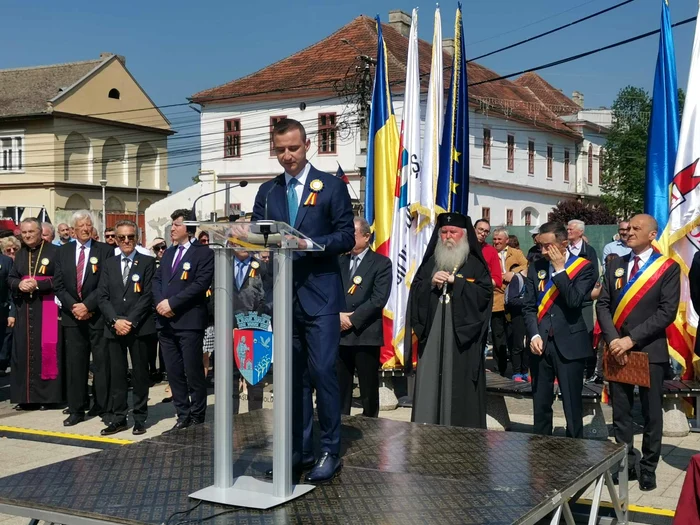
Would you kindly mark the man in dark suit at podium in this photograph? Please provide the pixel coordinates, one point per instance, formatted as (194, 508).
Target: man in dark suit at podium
(367, 284)
(639, 300)
(180, 294)
(78, 269)
(318, 205)
(557, 286)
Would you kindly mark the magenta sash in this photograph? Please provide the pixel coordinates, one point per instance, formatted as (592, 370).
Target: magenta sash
(49, 333)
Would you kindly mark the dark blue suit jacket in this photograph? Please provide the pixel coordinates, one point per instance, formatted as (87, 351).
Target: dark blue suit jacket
(187, 297)
(5, 295)
(317, 281)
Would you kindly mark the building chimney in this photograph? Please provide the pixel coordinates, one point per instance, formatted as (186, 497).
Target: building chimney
(448, 46)
(121, 58)
(401, 21)
(577, 97)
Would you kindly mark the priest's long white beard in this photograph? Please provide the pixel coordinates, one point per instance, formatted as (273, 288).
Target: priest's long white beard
(451, 255)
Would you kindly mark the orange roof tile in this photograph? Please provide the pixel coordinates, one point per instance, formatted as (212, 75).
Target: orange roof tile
(552, 97)
(324, 67)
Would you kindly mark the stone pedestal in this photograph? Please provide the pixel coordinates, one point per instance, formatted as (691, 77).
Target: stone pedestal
(594, 426)
(387, 398)
(497, 417)
(675, 420)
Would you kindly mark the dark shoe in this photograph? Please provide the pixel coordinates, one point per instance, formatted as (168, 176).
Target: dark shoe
(631, 476)
(65, 411)
(43, 408)
(74, 419)
(139, 429)
(167, 399)
(325, 469)
(595, 379)
(297, 468)
(197, 421)
(647, 481)
(114, 428)
(181, 425)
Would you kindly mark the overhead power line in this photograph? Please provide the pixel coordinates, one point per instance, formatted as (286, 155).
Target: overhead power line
(552, 31)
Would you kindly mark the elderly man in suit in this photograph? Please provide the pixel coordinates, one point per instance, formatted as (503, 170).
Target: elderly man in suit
(318, 205)
(126, 302)
(367, 284)
(180, 294)
(79, 266)
(638, 301)
(557, 286)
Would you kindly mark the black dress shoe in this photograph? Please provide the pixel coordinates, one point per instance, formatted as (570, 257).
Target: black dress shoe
(647, 481)
(297, 468)
(65, 411)
(139, 429)
(113, 428)
(631, 476)
(325, 469)
(167, 399)
(74, 419)
(181, 425)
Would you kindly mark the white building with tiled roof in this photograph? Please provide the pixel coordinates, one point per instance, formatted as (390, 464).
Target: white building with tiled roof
(528, 148)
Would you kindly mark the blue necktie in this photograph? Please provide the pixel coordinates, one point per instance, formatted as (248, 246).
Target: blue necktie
(292, 201)
(241, 274)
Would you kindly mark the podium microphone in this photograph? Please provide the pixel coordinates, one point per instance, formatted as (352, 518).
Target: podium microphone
(241, 184)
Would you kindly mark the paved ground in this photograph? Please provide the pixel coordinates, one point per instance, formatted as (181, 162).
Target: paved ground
(18, 454)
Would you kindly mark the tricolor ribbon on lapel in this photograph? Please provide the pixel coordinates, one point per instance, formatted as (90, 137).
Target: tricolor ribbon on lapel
(183, 277)
(137, 288)
(208, 292)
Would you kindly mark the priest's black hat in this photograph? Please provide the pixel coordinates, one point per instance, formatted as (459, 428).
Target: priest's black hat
(452, 219)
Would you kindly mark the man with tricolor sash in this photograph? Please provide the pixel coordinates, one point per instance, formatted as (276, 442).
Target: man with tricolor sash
(639, 300)
(557, 287)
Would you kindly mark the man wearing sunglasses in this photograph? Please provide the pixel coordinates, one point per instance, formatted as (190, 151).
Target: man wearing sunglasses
(180, 294)
(110, 236)
(126, 303)
(78, 269)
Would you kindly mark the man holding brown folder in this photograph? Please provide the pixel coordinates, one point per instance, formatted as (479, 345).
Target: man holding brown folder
(638, 302)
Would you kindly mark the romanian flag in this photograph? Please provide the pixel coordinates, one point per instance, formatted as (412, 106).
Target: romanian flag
(682, 219)
(453, 179)
(382, 152)
(341, 175)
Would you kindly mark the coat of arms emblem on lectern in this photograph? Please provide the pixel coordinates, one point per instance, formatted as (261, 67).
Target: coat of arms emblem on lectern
(252, 345)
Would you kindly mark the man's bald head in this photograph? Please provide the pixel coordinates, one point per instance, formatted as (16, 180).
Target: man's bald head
(642, 232)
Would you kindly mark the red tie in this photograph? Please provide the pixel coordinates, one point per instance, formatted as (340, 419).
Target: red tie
(79, 271)
(635, 267)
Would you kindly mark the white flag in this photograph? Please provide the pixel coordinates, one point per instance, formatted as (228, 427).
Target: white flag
(422, 191)
(681, 239)
(409, 170)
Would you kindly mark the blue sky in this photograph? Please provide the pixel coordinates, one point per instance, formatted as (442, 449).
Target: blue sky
(177, 48)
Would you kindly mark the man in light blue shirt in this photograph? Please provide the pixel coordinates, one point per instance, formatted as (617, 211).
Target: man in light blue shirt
(618, 247)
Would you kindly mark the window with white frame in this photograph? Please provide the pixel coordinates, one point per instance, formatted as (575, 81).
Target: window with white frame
(11, 152)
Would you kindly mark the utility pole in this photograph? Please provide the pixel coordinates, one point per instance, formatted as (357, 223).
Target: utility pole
(364, 98)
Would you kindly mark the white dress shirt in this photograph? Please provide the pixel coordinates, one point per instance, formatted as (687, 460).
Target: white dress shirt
(177, 249)
(576, 248)
(502, 257)
(643, 258)
(87, 245)
(301, 178)
(359, 258)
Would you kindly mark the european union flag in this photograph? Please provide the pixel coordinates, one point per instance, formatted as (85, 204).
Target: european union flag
(453, 180)
(662, 144)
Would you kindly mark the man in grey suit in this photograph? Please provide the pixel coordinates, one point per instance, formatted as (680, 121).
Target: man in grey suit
(367, 283)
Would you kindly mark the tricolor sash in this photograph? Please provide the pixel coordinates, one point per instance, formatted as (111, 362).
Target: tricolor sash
(647, 276)
(548, 294)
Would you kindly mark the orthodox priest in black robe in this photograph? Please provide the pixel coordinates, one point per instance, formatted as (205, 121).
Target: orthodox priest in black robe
(449, 307)
(36, 379)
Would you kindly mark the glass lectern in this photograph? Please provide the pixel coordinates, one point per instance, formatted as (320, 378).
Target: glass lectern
(283, 241)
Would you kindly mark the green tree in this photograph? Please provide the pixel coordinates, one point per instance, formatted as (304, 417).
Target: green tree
(622, 181)
(591, 214)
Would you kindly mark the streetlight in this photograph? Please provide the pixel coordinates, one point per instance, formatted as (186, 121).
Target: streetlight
(213, 186)
(103, 183)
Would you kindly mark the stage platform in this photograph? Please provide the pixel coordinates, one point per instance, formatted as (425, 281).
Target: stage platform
(394, 472)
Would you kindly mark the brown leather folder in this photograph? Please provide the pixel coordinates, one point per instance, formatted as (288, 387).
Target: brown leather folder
(635, 372)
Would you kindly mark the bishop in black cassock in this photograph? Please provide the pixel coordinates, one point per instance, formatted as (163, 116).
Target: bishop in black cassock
(449, 307)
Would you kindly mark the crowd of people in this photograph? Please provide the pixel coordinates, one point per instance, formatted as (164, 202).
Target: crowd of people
(74, 305)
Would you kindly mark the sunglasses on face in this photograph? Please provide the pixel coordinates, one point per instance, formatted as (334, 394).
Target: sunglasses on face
(11, 249)
(122, 238)
(110, 235)
(159, 248)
